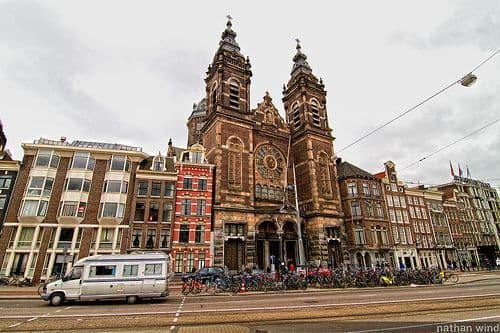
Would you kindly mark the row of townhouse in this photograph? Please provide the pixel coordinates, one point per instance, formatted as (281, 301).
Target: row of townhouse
(386, 221)
(72, 200)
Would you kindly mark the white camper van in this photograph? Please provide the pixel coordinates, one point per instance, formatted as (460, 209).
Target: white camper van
(117, 276)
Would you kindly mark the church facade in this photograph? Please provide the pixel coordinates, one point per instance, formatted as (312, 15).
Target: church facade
(276, 196)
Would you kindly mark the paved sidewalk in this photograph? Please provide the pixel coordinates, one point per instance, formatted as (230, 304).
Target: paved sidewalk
(11, 292)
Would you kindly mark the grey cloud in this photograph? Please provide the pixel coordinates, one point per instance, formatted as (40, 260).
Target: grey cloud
(48, 63)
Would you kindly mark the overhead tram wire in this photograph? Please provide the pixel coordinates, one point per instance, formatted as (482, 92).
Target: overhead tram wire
(450, 144)
(462, 80)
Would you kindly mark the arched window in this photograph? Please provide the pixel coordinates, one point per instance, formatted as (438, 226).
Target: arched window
(234, 163)
(213, 97)
(258, 191)
(271, 193)
(234, 94)
(278, 194)
(315, 113)
(296, 115)
(158, 163)
(264, 192)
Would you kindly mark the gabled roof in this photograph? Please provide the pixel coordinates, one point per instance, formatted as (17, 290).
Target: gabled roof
(346, 169)
(379, 175)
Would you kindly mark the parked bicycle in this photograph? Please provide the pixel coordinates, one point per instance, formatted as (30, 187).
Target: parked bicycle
(449, 276)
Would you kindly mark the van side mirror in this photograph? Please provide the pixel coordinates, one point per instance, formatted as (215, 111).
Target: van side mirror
(65, 278)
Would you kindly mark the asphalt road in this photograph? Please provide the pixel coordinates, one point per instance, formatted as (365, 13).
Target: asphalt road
(405, 309)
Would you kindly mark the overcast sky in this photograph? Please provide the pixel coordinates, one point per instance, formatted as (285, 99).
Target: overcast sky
(129, 72)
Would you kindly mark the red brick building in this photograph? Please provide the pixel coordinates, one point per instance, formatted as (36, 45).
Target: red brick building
(191, 234)
(71, 200)
(367, 226)
(256, 153)
(153, 204)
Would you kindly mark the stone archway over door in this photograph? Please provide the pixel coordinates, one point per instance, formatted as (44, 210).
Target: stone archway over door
(267, 244)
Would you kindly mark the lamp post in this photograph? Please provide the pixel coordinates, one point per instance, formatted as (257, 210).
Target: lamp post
(302, 257)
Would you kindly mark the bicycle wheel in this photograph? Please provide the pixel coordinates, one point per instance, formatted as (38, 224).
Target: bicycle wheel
(453, 278)
(186, 288)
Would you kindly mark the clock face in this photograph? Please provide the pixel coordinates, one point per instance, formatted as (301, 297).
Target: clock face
(269, 162)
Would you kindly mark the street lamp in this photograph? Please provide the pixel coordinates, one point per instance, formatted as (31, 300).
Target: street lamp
(302, 257)
(468, 80)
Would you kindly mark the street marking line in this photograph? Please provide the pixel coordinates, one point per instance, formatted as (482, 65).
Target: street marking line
(34, 318)
(175, 320)
(172, 328)
(15, 325)
(177, 314)
(423, 299)
(67, 308)
(57, 311)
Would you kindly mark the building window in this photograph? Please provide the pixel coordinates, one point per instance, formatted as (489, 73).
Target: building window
(77, 184)
(112, 209)
(359, 236)
(201, 207)
(201, 260)
(136, 238)
(394, 187)
(375, 190)
(403, 235)
(120, 163)
(315, 113)
(158, 164)
(40, 186)
(164, 238)
(167, 213)
(34, 208)
(264, 192)
(324, 174)
(106, 241)
(235, 158)
(258, 191)
(234, 94)
(355, 209)
(184, 233)
(155, 189)
(153, 212)
(296, 116)
(151, 238)
(72, 208)
(187, 183)
(169, 190)
(142, 189)
(202, 184)
(115, 186)
(46, 159)
(380, 211)
(392, 215)
(332, 232)
(5, 182)
(26, 238)
(190, 262)
(83, 161)
(352, 189)
(384, 236)
(366, 189)
(3, 200)
(369, 209)
(213, 97)
(178, 262)
(186, 207)
(140, 208)
(199, 236)
(390, 203)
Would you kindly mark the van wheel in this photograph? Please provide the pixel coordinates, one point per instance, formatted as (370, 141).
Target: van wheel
(56, 299)
(132, 299)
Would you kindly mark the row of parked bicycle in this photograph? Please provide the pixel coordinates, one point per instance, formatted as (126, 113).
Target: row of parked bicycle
(17, 281)
(316, 278)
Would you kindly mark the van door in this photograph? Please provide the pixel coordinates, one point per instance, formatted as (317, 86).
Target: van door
(73, 284)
